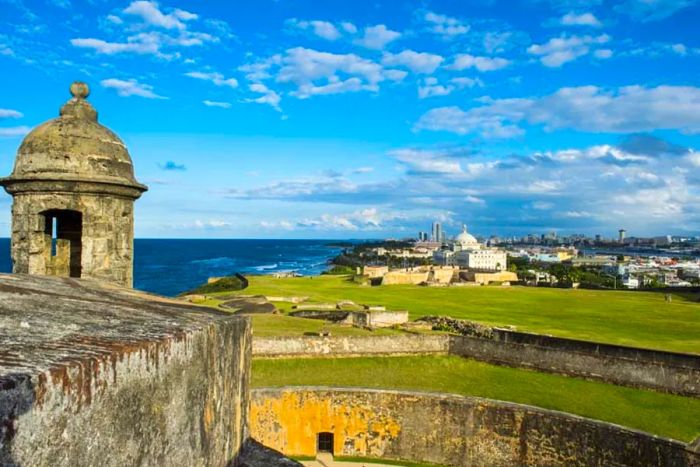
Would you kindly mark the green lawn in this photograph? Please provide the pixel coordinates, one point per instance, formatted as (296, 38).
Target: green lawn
(640, 319)
(662, 414)
(265, 325)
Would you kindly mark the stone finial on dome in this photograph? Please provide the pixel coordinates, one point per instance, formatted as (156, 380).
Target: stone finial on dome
(79, 90)
(78, 106)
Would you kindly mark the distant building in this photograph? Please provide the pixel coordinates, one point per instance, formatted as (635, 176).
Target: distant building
(621, 235)
(467, 253)
(437, 235)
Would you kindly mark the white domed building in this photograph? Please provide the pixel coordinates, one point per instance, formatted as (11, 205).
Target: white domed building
(466, 252)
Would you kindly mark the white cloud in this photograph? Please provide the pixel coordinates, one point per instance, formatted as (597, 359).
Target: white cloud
(431, 87)
(423, 161)
(464, 61)
(9, 113)
(560, 50)
(418, 62)
(542, 205)
(680, 49)
(603, 53)
(323, 29)
(126, 88)
(112, 48)
(223, 105)
(464, 82)
(377, 37)
(269, 97)
(214, 77)
(348, 27)
(115, 19)
(582, 19)
(586, 108)
(363, 170)
(445, 26)
(317, 72)
(151, 14)
(9, 132)
(154, 33)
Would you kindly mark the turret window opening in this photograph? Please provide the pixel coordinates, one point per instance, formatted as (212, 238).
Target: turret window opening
(63, 231)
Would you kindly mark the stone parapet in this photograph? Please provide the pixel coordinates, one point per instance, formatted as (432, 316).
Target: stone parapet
(95, 374)
(449, 430)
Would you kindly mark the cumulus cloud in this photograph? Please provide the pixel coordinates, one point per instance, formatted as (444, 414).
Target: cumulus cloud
(464, 61)
(445, 26)
(323, 29)
(316, 73)
(431, 87)
(150, 13)
(131, 87)
(587, 108)
(268, 97)
(519, 191)
(144, 29)
(223, 105)
(217, 78)
(418, 62)
(580, 19)
(560, 50)
(377, 37)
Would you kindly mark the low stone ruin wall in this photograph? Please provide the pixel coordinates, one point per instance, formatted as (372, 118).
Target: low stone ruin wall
(448, 429)
(662, 371)
(351, 346)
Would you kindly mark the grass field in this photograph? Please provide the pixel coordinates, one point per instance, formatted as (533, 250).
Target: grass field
(640, 319)
(661, 414)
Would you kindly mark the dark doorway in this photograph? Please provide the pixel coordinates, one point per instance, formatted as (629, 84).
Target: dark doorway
(325, 442)
(63, 231)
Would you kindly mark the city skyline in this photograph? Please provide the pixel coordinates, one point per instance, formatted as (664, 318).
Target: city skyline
(303, 120)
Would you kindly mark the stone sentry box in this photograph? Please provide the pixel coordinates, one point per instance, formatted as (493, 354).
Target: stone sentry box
(73, 189)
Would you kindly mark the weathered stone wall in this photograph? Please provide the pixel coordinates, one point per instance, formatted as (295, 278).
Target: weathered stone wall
(347, 346)
(450, 430)
(93, 375)
(385, 319)
(658, 370)
(663, 371)
(107, 234)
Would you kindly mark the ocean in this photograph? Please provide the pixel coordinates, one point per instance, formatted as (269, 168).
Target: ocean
(169, 267)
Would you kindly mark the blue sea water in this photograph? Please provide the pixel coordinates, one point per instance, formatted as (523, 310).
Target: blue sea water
(168, 267)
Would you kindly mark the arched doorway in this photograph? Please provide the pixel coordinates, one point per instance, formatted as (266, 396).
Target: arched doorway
(325, 443)
(63, 232)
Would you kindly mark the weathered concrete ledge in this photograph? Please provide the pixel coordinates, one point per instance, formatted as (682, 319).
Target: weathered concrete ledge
(449, 429)
(93, 374)
(641, 368)
(351, 346)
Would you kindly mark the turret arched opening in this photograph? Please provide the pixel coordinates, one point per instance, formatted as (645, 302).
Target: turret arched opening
(63, 240)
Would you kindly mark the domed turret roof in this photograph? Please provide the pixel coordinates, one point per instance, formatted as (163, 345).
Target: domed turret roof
(465, 238)
(74, 148)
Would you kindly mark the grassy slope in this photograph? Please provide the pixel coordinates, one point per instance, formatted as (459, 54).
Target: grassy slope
(662, 414)
(629, 318)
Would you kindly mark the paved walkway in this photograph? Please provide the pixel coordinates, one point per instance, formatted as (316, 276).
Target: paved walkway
(326, 460)
(344, 464)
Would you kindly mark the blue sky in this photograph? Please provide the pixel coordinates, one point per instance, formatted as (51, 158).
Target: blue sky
(336, 119)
